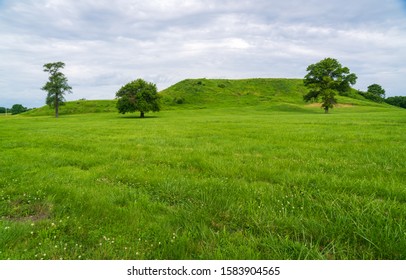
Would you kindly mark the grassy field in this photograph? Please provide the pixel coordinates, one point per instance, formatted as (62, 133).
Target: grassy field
(249, 182)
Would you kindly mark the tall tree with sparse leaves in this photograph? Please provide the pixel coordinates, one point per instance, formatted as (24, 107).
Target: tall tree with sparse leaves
(326, 79)
(138, 95)
(56, 86)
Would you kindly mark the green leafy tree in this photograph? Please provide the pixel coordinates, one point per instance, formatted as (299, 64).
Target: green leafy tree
(18, 109)
(138, 95)
(378, 91)
(375, 93)
(325, 80)
(56, 86)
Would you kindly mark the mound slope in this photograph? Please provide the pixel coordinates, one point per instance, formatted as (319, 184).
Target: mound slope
(223, 92)
(76, 107)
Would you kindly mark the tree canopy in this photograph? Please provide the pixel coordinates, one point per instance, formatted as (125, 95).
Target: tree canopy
(375, 93)
(325, 79)
(138, 95)
(18, 109)
(56, 86)
(376, 90)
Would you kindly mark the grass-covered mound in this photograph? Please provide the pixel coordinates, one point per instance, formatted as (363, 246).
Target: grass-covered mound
(200, 93)
(76, 107)
(273, 93)
(277, 93)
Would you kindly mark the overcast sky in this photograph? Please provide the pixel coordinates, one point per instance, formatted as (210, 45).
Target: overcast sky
(107, 43)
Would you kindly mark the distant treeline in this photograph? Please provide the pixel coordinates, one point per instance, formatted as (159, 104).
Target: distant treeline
(376, 93)
(15, 109)
(399, 101)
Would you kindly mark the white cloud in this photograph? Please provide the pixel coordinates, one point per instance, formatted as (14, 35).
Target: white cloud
(106, 44)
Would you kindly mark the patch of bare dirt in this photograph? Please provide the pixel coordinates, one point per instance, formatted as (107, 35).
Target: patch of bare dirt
(19, 211)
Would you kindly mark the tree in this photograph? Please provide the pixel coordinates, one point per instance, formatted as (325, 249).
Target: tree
(377, 91)
(138, 95)
(56, 86)
(18, 109)
(326, 79)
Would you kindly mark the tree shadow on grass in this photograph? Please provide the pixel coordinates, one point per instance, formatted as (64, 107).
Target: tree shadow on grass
(136, 117)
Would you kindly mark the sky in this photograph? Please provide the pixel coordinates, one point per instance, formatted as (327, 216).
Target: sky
(106, 44)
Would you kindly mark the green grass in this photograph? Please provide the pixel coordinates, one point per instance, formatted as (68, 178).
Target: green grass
(220, 93)
(276, 93)
(76, 107)
(198, 93)
(272, 181)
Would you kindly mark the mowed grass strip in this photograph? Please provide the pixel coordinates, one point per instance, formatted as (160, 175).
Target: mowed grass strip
(234, 183)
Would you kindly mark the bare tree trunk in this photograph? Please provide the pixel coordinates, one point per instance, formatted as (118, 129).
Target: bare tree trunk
(56, 106)
(142, 115)
(326, 110)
